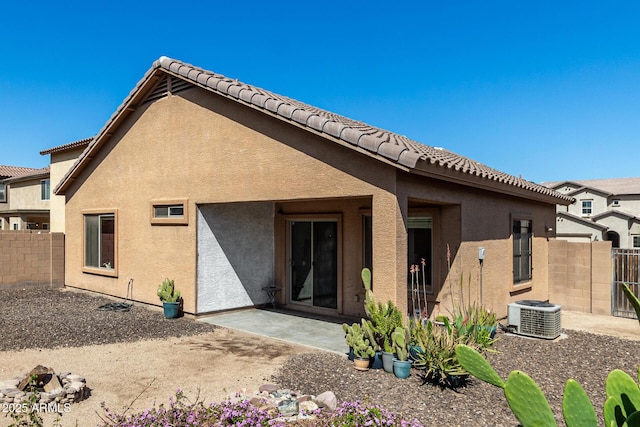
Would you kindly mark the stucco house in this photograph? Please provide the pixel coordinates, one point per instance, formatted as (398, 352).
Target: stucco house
(228, 188)
(61, 159)
(24, 198)
(604, 209)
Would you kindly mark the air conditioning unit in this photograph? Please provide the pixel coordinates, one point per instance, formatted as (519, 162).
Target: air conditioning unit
(533, 318)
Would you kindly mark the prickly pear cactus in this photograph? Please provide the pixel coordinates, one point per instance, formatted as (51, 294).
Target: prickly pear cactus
(576, 406)
(531, 408)
(633, 299)
(527, 401)
(166, 291)
(366, 278)
(400, 340)
(623, 399)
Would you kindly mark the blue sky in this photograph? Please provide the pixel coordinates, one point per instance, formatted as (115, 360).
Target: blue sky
(546, 90)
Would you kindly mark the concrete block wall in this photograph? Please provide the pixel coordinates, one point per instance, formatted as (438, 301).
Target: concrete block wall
(31, 258)
(580, 276)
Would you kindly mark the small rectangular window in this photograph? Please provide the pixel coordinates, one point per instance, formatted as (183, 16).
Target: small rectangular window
(636, 241)
(586, 207)
(3, 192)
(45, 189)
(169, 212)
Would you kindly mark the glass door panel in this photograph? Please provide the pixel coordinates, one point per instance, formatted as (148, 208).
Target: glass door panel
(313, 273)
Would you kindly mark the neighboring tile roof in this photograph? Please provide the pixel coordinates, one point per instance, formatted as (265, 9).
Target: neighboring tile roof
(69, 146)
(15, 171)
(33, 174)
(613, 186)
(382, 144)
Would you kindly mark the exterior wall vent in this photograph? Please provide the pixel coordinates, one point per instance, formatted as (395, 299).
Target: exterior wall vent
(533, 318)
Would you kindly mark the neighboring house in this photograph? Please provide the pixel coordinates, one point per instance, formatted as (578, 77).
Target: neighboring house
(24, 198)
(604, 209)
(228, 188)
(62, 159)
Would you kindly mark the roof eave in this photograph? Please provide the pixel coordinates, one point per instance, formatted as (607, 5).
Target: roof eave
(129, 105)
(451, 175)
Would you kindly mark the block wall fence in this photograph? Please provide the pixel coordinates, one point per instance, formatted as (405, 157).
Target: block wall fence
(580, 276)
(31, 259)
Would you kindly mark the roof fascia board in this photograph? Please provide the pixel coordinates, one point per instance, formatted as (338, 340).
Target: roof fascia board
(591, 189)
(617, 213)
(483, 183)
(580, 220)
(127, 107)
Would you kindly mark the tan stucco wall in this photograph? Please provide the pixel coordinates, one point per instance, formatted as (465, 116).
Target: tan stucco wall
(178, 149)
(473, 219)
(61, 162)
(26, 195)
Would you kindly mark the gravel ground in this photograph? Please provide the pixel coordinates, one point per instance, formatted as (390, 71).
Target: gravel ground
(39, 318)
(50, 318)
(588, 358)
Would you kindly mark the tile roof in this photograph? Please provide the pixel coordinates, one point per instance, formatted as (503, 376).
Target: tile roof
(15, 171)
(613, 186)
(69, 146)
(33, 174)
(384, 145)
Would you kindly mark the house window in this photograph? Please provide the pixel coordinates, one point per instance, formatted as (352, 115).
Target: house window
(586, 207)
(3, 192)
(367, 242)
(169, 212)
(45, 189)
(636, 241)
(100, 241)
(522, 239)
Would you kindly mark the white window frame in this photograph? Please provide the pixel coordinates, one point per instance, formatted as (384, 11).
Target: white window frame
(586, 207)
(3, 192)
(177, 212)
(45, 189)
(635, 240)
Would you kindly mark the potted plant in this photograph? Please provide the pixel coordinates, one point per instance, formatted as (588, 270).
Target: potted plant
(383, 318)
(401, 364)
(362, 348)
(170, 298)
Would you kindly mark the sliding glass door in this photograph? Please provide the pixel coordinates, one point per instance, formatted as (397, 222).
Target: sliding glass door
(313, 263)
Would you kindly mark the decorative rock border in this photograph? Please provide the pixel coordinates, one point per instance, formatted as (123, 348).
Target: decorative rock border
(74, 389)
(291, 405)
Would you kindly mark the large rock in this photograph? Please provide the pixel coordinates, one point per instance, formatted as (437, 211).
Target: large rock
(43, 375)
(327, 400)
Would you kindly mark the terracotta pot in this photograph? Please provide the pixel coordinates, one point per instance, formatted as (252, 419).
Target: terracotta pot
(361, 364)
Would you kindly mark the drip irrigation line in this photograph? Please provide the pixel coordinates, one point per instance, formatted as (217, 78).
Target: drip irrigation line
(120, 306)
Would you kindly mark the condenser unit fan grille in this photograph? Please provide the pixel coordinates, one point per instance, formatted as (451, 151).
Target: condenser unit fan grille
(535, 318)
(540, 323)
